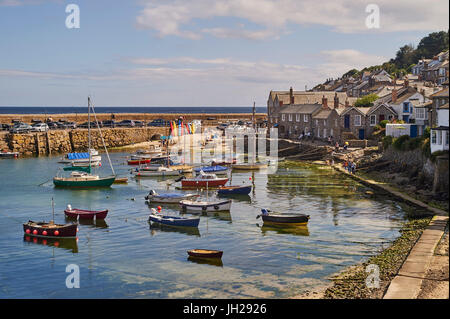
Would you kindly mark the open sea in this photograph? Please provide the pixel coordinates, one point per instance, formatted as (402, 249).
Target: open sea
(125, 257)
(127, 109)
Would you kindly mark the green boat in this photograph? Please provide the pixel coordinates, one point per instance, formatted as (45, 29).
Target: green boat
(81, 177)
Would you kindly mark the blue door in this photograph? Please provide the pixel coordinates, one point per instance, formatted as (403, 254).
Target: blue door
(406, 118)
(413, 132)
(361, 134)
(347, 121)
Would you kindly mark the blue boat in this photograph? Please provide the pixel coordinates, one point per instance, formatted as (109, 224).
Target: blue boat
(174, 220)
(212, 169)
(235, 190)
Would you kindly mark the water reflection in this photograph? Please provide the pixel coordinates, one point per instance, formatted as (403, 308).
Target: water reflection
(96, 223)
(281, 229)
(65, 243)
(206, 261)
(156, 227)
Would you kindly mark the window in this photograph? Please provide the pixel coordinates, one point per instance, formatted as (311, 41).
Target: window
(406, 107)
(305, 118)
(373, 120)
(283, 117)
(290, 117)
(317, 122)
(420, 113)
(324, 132)
(433, 137)
(357, 120)
(446, 138)
(331, 132)
(324, 122)
(439, 137)
(297, 117)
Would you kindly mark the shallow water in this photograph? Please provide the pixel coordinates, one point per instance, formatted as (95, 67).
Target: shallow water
(126, 258)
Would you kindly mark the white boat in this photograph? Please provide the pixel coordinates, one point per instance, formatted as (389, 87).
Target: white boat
(81, 158)
(161, 171)
(205, 206)
(154, 151)
(9, 154)
(168, 198)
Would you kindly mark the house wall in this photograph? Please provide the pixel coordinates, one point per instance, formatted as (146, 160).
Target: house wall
(353, 113)
(328, 127)
(381, 113)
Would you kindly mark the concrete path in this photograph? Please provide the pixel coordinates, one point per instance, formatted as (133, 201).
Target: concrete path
(407, 283)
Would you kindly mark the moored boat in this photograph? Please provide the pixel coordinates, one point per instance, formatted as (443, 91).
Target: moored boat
(175, 221)
(4, 154)
(216, 169)
(50, 229)
(138, 161)
(205, 206)
(283, 219)
(85, 214)
(81, 180)
(81, 158)
(235, 190)
(168, 198)
(160, 171)
(205, 253)
(204, 180)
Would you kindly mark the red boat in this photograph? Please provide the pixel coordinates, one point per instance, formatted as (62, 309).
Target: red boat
(139, 162)
(86, 214)
(204, 180)
(205, 253)
(50, 230)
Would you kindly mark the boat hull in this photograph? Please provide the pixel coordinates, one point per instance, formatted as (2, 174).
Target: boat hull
(101, 182)
(293, 220)
(203, 183)
(204, 253)
(174, 221)
(138, 162)
(37, 229)
(169, 200)
(157, 173)
(85, 214)
(187, 205)
(234, 190)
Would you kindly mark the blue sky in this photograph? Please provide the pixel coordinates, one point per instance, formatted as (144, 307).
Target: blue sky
(194, 52)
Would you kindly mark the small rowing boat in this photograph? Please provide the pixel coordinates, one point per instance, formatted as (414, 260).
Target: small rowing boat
(50, 229)
(173, 220)
(205, 253)
(168, 198)
(234, 190)
(85, 214)
(138, 161)
(121, 180)
(283, 219)
(205, 206)
(160, 171)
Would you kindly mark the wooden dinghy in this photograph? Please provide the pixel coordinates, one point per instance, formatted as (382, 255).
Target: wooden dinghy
(121, 180)
(85, 214)
(138, 161)
(205, 253)
(205, 206)
(283, 219)
(50, 229)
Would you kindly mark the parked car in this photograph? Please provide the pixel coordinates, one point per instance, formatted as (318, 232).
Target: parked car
(52, 125)
(5, 127)
(211, 119)
(109, 123)
(126, 123)
(158, 122)
(39, 127)
(139, 123)
(85, 125)
(240, 122)
(222, 126)
(71, 125)
(21, 128)
(61, 125)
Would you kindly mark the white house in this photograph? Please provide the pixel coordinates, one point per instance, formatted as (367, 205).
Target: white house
(439, 135)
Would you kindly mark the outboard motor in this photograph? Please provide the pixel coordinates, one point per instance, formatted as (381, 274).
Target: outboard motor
(264, 211)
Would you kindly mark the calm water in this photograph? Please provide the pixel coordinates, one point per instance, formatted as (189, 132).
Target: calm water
(125, 258)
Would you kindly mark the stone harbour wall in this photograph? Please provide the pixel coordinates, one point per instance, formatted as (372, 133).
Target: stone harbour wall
(65, 141)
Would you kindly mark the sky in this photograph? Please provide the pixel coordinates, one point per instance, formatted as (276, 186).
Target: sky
(195, 52)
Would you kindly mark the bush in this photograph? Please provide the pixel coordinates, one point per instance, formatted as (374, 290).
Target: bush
(437, 153)
(426, 132)
(426, 148)
(387, 141)
(377, 128)
(366, 100)
(401, 142)
(383, 123)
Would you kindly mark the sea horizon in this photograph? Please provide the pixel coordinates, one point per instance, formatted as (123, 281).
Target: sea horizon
(129, 109)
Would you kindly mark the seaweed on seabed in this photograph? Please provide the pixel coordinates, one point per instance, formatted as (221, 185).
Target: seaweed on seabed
(351, 283)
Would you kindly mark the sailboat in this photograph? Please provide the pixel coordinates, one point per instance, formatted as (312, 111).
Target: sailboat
(81, 176)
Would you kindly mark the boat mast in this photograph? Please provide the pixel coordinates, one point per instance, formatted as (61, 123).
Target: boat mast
(53, 210)
(89, 131)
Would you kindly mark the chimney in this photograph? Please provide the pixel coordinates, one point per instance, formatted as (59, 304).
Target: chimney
(291, 95)
(324, 102)
(394, 95)
(281, 103)
(406, 83)
(336, 101)
(347, 104)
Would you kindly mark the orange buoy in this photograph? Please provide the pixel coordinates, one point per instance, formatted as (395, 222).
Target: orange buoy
(56, 232)
(44, 233)
(35, 232)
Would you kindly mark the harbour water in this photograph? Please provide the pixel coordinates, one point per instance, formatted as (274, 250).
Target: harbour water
(126, 258)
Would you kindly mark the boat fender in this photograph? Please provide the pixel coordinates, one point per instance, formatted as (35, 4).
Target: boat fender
(216, 207)
(69, 207)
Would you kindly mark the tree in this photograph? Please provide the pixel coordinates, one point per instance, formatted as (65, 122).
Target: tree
(366, 101)
(432, 44)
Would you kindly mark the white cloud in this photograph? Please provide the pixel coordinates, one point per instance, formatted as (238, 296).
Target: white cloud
(181, 17)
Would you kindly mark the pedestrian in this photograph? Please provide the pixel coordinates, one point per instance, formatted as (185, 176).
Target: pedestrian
(345, 146)
(345, 165)
(353, 168)
(337, 146)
